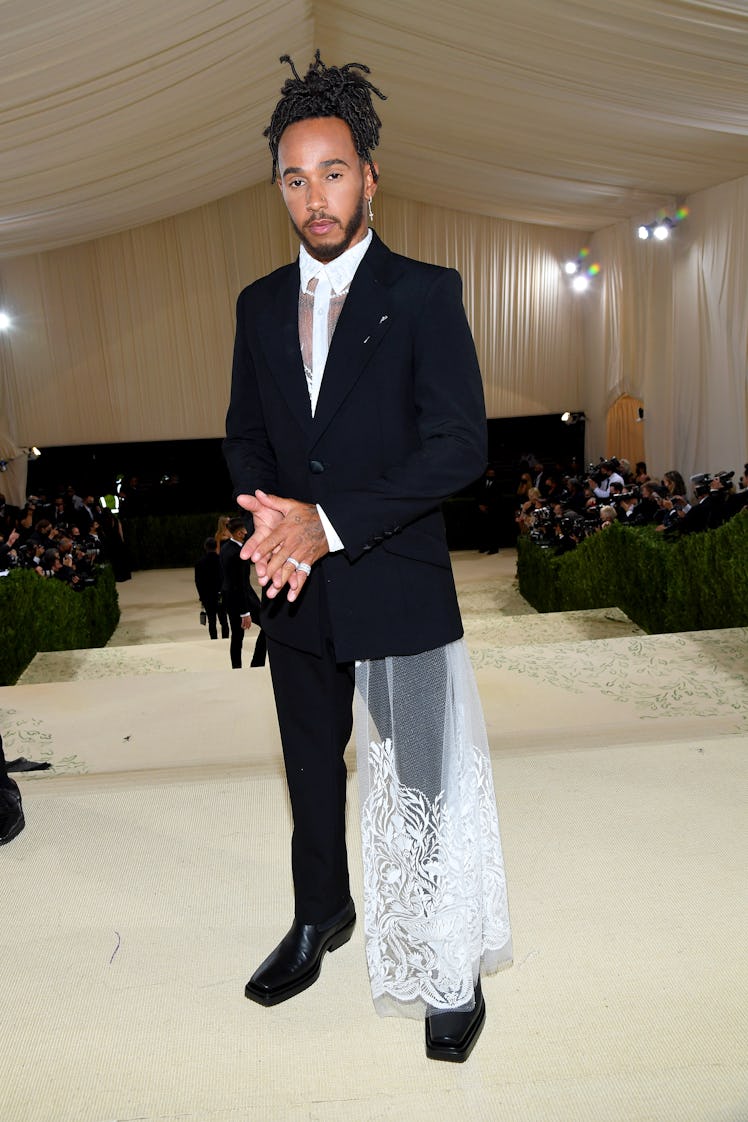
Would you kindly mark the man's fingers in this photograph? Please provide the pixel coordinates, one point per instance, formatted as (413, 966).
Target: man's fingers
(295, 585)
(285, 573)
(274, 502)
(248, 502)
(295, 580)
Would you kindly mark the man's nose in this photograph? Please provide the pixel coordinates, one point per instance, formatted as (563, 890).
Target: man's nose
(315, 199)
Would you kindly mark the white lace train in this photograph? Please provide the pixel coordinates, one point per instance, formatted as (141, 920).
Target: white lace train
(435, 899)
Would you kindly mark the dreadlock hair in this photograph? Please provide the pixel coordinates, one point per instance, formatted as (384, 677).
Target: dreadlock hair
(328, 91)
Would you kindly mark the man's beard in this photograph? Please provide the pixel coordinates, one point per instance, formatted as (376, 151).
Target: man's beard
(331, 251)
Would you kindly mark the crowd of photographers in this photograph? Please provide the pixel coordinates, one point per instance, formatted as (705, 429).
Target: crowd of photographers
(63, 538)
(558, 509)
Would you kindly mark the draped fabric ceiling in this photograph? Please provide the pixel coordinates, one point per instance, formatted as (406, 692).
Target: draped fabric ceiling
(134, 201)
(565, 112)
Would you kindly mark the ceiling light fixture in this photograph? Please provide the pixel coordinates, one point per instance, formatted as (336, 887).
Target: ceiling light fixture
(580, 271)
(662, 226)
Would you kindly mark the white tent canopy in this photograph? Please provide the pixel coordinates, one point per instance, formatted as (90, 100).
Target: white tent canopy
(571, 113)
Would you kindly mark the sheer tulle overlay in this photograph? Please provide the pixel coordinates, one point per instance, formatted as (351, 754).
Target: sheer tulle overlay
(435, 898)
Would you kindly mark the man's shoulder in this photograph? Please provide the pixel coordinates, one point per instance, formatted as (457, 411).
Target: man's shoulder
(421, 272)
(266, 288)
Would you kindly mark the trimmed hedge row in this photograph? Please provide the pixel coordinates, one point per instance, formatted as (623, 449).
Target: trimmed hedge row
(695, 583)
(168, 541)
(45, 615)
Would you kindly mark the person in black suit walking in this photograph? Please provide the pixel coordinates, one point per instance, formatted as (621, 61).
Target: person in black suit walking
(208, 580)
(356, 408)
(240, 600)
(489, 504)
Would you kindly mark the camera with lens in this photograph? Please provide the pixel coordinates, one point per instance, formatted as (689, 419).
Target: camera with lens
(629, 493)
(541, 525)
(702, 481)
(593, 471)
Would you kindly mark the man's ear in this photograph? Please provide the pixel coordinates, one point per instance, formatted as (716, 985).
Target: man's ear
(370, 183)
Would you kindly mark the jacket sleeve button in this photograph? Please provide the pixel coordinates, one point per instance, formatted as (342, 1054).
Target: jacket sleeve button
(316, 467)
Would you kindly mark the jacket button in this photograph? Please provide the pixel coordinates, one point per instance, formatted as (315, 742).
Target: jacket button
(316, 467)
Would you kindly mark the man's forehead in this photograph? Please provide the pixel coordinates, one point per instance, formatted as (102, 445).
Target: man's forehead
(317, 132)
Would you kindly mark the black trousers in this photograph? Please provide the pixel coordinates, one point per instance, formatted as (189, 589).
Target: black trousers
(6, 783)
(314, 701)
(214, 609)
(237, 641)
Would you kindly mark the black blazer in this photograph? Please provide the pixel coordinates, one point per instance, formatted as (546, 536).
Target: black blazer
(208, 578)
(238, 595)
(400, 425)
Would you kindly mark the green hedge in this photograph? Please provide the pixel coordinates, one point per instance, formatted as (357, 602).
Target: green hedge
(695, 583)
(45, 615)
(168, 541)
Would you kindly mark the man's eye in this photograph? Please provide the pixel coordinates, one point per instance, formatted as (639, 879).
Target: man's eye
(335, 175)
(296, 183)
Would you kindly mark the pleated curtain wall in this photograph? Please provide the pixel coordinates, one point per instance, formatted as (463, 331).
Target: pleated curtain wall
(128, 337)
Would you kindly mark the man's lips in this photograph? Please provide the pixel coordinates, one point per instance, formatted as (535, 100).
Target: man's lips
(321, 226)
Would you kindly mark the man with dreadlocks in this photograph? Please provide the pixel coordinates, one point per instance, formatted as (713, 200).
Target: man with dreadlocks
(356, 408)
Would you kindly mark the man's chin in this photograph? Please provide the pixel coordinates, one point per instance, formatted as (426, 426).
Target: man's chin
(325, 249)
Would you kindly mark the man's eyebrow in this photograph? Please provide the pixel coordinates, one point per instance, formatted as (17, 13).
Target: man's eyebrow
(323, 164)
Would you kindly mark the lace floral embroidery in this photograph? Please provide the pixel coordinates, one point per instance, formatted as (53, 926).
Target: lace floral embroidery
(434, 884)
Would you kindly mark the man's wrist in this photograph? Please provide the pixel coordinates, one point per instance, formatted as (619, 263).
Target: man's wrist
(334, 544)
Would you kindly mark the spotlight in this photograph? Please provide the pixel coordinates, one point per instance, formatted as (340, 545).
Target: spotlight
(5, 321)
(581, 271)
(573, 418)
(3, 465)
(660, 228)
(34, 453)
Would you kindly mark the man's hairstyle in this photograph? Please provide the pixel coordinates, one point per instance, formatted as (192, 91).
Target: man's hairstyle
(209, 545)
(235, 523)
(328, 91)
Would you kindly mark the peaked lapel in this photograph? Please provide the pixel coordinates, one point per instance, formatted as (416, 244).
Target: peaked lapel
(365, 319)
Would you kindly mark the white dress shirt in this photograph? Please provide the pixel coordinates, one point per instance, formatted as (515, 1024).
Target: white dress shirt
(333, 279)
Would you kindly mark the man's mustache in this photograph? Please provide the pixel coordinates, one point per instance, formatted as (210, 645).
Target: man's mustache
(321, 218)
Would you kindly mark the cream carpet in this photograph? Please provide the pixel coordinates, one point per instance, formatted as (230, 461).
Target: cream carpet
(152, 877)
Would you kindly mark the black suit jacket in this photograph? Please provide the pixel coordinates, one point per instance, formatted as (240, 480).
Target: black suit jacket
(400, 425)
(238, 595)
(208, 578)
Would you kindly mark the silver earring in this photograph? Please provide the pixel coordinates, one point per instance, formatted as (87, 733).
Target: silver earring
(371, 212)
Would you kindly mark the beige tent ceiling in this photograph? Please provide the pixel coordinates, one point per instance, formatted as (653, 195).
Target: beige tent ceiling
(572, 113)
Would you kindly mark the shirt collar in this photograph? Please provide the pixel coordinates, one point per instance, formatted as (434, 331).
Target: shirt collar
(339, 272)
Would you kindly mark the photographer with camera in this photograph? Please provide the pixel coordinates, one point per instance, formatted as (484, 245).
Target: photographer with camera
(626, 504)
(601, 476)
(708, 511)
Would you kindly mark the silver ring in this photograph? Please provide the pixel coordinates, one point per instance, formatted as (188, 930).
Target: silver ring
(304, 568)
(292, 561)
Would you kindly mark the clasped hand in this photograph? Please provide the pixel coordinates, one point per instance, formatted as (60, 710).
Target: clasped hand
(284, 528)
